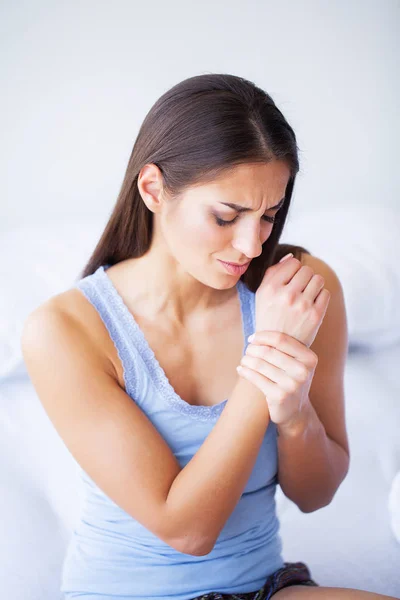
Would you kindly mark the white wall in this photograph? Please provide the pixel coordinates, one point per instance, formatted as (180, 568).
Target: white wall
(78, 77)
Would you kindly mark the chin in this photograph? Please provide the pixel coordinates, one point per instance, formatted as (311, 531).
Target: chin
(217, 283)
(226, 284)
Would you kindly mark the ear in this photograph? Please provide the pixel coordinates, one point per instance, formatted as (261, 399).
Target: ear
(150, 185)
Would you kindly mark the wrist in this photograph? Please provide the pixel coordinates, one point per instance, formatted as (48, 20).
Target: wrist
(251, 393)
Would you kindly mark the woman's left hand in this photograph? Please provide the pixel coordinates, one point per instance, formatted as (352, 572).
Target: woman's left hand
(282, 368)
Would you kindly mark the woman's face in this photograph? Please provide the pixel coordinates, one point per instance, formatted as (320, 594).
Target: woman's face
(198, 230)
(194, 232)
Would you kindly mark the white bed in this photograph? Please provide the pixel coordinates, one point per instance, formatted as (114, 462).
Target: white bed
(354, 542)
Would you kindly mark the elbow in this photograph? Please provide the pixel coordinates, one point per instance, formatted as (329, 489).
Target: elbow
(309, 508)
(195, 547)
(203, 550)
(309, 505)
(186, 539)
(312, 508)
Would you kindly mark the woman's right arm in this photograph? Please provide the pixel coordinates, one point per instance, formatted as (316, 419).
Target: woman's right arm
(119, 448)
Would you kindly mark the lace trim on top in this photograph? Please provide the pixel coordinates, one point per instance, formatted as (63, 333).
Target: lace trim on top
(135, 336)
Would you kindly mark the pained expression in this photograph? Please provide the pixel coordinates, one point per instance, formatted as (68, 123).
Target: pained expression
(201, 230)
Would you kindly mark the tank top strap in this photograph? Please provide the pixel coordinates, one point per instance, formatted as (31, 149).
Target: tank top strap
(247, 305)
(109, 306)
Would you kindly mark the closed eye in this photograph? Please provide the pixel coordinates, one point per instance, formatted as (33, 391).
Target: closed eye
(223, 223)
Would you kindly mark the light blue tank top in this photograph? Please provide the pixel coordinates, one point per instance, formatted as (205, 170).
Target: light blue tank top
(111, 555)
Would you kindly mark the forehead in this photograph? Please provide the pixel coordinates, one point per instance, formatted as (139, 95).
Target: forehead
(249, 185)
(264, 174)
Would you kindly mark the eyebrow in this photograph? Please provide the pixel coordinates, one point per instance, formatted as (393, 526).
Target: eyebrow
(242, 209)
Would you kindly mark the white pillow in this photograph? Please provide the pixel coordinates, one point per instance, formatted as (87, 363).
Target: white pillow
(38, 261)
(41, 496)
(362, 245)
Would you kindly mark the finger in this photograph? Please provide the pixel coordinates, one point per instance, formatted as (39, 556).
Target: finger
(301, 279)
(272, 372)
(283, 380)
(322, 301)
(285, 343)
(315, 286)
(265, 385)
(282, 272)
(288, 364)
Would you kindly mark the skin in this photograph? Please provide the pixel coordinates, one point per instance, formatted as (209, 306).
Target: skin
(187, 281)
(190, 298)
(189, 291)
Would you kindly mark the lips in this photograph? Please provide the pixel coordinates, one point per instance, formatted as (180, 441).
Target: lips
(236, 264)
(235, 269)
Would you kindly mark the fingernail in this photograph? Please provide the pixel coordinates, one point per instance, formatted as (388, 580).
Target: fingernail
(287, 256)
(251, 337)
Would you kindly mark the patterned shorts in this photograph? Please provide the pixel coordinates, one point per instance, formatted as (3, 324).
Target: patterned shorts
(293, 573)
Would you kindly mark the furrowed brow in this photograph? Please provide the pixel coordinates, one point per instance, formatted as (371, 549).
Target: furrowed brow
(242, 209)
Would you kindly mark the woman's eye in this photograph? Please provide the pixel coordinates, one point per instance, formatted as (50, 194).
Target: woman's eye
(222, 223)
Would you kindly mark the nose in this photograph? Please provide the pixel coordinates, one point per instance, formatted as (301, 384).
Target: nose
(248, 242)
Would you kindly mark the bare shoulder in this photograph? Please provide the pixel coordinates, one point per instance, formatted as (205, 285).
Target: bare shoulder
(332, 336)
(331, 346)
(333, 332)
(71, 311)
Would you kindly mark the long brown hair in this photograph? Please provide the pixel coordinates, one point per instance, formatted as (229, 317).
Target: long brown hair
(201, 127)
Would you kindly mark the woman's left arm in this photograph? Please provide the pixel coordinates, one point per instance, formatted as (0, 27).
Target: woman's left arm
(314, 457)
(313, 453)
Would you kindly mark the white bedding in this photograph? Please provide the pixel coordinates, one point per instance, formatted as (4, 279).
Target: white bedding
(349, 543)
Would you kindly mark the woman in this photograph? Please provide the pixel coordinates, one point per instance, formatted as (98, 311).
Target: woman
(136, 364)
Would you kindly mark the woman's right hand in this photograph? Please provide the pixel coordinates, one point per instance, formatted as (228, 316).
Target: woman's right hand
(291, 298)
